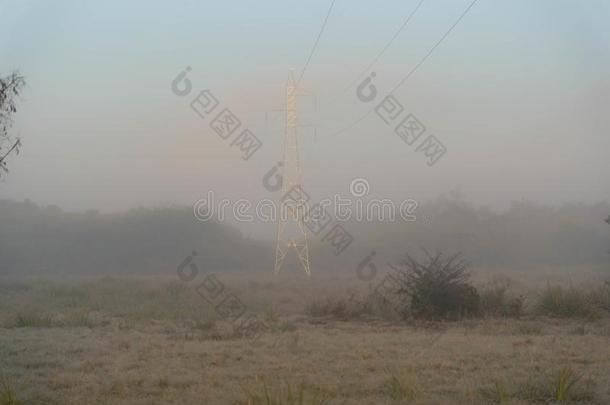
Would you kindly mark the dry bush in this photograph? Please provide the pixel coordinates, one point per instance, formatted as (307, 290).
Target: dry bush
(601, 297)
(354, 307)
(498, 301)
(558, 301)
(437, 289)
(351, 308)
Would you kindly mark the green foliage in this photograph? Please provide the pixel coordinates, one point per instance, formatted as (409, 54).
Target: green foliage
(438, 288)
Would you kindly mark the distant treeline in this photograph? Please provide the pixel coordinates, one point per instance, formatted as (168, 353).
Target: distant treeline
(43, 240)
(526, 234)
(38, 240)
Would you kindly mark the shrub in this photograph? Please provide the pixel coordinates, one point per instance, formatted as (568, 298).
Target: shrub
(438, 288)
(566, 303)
(497, 301)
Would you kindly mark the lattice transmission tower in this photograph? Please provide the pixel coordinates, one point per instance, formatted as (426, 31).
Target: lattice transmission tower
(291, 230)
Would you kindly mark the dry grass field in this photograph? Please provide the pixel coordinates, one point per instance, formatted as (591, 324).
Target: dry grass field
(155, 341)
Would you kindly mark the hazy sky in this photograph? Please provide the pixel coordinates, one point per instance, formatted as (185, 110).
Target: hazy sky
(518, 93)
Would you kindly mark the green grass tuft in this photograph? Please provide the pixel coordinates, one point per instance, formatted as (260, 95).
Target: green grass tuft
(402, 388)
(33, 320)
(497, 393)
(286, 395)
(562, 384)
(7, 395)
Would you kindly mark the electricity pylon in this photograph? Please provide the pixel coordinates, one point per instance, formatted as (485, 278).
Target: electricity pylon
(291, 231)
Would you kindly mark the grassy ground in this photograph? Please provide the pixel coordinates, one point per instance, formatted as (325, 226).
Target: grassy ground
(145, 341)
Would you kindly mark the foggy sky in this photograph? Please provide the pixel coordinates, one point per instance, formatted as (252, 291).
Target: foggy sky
(518, 93)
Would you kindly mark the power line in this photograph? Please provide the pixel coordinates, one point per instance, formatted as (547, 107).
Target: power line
(417, 66)
(384, 49)
(315, 45)
(404, 79)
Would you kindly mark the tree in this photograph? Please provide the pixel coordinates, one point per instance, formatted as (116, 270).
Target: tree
(10, 88)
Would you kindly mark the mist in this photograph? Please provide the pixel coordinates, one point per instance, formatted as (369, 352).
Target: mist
(314, 202)
(520, 109)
